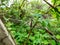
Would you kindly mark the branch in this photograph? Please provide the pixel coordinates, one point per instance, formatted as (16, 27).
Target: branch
(50, 33)
(31, 28)
(52, 6)
(53, 36)
(4, 33)
(49, 4)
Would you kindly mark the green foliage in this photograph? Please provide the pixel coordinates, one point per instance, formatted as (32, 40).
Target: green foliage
(26, 22)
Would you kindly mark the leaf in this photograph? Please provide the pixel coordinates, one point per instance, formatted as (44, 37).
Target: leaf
(44, 23)
(58, 36)
(53, 42)
(45, 42)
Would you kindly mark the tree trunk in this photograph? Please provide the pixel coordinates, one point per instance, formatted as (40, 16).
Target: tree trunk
(5, 38)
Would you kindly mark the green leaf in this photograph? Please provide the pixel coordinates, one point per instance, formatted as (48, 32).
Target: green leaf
(53, 42)
(58, 36)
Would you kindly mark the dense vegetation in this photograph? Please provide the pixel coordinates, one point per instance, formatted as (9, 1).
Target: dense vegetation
(32, 22)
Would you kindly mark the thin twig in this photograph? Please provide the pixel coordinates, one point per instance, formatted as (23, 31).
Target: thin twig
(50, 33)
(52, 6)
(31, 28)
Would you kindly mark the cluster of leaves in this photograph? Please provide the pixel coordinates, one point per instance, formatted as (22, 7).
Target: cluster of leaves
(32, 23)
